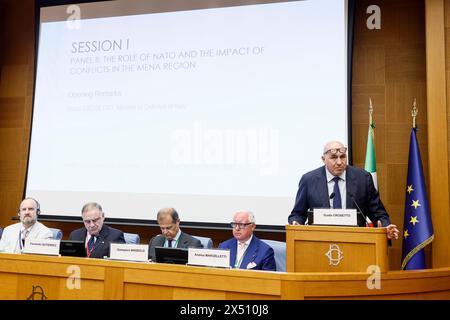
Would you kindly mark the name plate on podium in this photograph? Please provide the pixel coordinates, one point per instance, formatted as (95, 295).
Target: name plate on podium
(129, 252)
(335, 217)
(42, 246)
(209, 257)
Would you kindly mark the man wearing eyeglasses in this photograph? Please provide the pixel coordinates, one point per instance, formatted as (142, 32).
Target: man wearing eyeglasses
(171, 234)
(246, 250)
(96, 235)
(338, 185)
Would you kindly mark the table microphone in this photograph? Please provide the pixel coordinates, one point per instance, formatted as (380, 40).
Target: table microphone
(332, 195)
(356, 204)
(310, 212)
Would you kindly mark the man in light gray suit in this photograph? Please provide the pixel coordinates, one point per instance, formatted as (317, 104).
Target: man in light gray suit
(171, 234)
(13, 238)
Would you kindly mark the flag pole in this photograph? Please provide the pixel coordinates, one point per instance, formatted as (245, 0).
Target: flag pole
(417, 225)
(370, 165)
(414, 113)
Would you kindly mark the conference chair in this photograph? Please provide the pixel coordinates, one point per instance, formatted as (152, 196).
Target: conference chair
(57, 233)
(1, 232)
(279, 249)
(206, 242)
(132, 238)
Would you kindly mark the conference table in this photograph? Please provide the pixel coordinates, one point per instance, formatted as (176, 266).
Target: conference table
(52, 277)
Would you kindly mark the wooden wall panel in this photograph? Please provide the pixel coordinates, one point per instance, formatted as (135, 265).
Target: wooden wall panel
(389, 67)
(447, 68)
(16, 83)
(438, 130)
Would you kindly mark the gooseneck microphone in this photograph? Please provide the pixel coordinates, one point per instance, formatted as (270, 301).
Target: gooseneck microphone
(332, 195)
(356, 204)
(310, 219)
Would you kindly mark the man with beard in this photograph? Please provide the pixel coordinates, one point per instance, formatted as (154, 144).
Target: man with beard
(13, 237)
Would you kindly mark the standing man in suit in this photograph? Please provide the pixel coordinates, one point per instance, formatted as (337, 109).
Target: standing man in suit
(13, 237)
(96, 235)
(337, 185)
(171, 234)
(246, 250)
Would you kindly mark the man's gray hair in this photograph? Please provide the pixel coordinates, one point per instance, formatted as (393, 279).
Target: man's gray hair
(92, 205)
(251, 216)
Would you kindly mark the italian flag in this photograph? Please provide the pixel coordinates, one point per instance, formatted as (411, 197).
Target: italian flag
(371, 164)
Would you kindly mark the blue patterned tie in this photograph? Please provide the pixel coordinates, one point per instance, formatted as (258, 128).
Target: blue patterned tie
(91, 243)
(169, 243)
(337, 201)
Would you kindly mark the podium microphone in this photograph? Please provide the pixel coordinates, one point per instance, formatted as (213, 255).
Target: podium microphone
(332, 195)
(356, 204)
(310, 212)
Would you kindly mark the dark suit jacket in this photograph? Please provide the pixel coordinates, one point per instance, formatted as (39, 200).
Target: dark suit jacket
(185, 241)
(105, 237)
(258, 256)
(313, 193)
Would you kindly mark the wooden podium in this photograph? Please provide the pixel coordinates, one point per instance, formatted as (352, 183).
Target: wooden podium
(335, 249)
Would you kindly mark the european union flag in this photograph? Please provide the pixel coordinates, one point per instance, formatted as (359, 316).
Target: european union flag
(417, 226)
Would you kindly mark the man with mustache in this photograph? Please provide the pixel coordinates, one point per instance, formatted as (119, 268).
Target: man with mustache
(13, 237)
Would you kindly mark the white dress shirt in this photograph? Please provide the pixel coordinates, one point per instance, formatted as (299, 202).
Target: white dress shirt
(342, 187)
(12, 236)
(241, 248)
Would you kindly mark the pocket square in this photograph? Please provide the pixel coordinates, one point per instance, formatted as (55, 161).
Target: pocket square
(251, 265)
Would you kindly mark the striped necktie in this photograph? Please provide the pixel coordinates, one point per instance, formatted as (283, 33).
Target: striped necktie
(90, 245)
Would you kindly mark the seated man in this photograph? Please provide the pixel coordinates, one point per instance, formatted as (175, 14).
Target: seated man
(13, 238)
(246, 250)
(171, 234)
(96, 235)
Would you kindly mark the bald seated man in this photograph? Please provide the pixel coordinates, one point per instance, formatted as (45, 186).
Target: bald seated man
(13, 237)
(171, 234)
(338, 185)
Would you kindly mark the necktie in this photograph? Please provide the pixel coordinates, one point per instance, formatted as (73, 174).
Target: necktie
(25, 235)
(91, 244)
(337, 201)
(169, 243)
(240, 254)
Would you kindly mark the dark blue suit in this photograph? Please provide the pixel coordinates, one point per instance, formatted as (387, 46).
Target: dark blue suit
(313, 193)
(105, 237)
(258, 256)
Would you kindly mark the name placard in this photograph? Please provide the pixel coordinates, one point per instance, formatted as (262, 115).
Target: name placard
(129, 252)
(335, 217)
(42, 246)
(209, 257)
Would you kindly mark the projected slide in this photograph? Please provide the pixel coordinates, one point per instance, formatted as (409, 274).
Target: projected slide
(207, 110)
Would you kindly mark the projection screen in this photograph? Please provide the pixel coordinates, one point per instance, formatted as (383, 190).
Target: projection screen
(206, 106)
